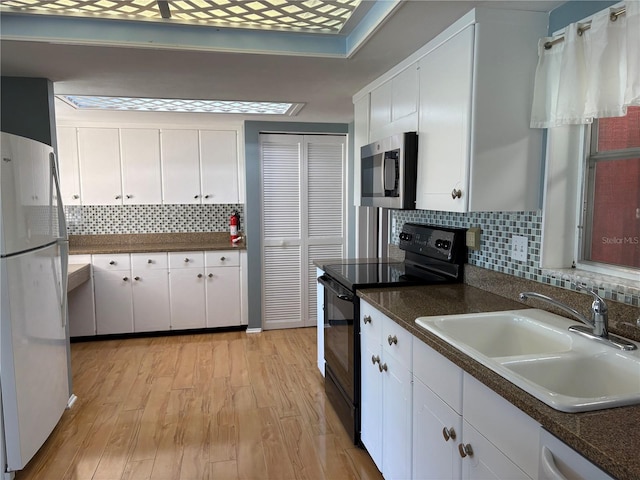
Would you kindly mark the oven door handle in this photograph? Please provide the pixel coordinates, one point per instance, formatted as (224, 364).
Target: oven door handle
(335, 288)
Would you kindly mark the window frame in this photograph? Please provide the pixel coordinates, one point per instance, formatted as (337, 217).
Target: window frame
(583, 231)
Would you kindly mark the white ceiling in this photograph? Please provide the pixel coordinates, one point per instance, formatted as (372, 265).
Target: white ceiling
(325, 85)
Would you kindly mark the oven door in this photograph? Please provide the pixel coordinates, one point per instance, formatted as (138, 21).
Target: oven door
(339, 345)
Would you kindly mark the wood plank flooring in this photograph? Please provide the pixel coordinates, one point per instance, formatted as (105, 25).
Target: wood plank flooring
(194, 407)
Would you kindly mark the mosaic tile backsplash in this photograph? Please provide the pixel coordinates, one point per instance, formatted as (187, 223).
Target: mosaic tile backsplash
(129, 219)
(495, 254)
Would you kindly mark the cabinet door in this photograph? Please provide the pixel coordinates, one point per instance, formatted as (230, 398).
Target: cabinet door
(487, 462)
(99, 153)
(141, 174)
(68, 165)
(404, 93)
(187, 298)
(320, 320)
(151, 301)
(380, 113)
(371, 400)
(219, 166)
(434, 455)
(223, 296)
(114, 303)
(396, 419)
(180, 166)
(446, 84)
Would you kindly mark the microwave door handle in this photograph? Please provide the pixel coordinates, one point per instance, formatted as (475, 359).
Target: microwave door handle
(388, 181)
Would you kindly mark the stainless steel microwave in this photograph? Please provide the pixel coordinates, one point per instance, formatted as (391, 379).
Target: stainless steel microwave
(388, 172)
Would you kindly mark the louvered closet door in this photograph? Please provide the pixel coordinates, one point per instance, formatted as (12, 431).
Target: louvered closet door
(303, 220)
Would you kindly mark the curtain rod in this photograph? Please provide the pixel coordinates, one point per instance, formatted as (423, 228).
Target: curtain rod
(613, 16)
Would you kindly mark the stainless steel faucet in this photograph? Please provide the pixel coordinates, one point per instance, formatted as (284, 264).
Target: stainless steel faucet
(598, 323)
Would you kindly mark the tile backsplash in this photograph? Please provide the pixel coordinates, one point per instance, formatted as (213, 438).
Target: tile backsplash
(130, 219)
(495, 254)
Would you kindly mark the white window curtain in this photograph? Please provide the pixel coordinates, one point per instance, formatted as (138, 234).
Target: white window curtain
(593, 72)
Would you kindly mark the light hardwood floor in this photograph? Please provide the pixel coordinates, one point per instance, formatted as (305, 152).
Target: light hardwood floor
(192, 407)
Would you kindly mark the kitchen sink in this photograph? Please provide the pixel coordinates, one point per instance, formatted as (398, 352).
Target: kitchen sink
(534, 350)
(500, 334)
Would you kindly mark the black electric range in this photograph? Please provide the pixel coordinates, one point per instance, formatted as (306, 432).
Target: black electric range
(433, 255)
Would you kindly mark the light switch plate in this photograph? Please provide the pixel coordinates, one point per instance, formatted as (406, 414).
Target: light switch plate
(519, 248)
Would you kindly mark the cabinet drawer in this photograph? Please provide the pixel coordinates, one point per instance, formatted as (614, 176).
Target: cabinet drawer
(186, 260)
(222, 258)
(507, 427)
(114, 262)
(397, 342)
(141, 262)
(438, 373)
(370, 323)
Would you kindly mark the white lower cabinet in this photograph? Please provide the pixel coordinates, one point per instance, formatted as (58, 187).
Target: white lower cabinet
(437, 417)
(113, 296)
(187, 290)
(386, 419)
(150, 287)
(222, 289)
(423, 417)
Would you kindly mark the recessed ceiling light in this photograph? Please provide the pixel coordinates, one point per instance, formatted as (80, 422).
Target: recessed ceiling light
(92, 102)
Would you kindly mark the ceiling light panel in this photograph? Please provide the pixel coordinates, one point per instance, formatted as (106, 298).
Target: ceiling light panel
(90, 102)
(313, 16)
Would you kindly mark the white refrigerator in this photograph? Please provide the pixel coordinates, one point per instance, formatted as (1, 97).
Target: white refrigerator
(34, 345)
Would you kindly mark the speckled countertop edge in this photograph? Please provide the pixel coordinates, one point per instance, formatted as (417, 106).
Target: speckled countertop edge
(152, 242)
(608, 438)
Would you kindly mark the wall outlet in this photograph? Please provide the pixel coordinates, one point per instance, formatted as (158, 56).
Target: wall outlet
(473, 238)
(519, 248)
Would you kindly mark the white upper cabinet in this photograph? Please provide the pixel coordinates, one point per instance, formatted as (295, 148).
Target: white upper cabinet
(68, 165)
(476, 150)
(445, 123)
(99, 153)
(141, 174)
(394, 105)
(219, 166)
(180, 166)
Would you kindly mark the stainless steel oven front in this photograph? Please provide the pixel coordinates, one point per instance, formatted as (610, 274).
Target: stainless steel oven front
(342, 360)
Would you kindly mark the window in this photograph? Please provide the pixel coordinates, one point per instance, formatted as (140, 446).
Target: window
(611, 205)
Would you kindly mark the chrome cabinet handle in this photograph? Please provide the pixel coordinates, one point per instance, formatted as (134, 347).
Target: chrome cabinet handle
(149, 261)
(448, 433)
(129, 196)
(199, 275)
(382, 367)
(196, 196)
(392, 340)
(366, 319)
(118, 197)
(465, 450)
(456, 193)
(125, 279)
(375, 359)
(207, 196)
(137, 279)
(112, 262)
(222, 259)
(186, 260)
(76, 197)
(210, 275)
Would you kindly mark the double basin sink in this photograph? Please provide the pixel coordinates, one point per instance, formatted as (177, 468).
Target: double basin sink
(534, 350)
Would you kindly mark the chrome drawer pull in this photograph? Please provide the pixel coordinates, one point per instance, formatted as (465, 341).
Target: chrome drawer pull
(392, 340)
(366, 319)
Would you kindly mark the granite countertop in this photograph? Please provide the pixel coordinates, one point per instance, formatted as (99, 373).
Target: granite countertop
(608, 438)
(152, 242)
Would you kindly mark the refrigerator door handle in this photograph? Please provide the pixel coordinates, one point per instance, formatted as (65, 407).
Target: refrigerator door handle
(62, 240)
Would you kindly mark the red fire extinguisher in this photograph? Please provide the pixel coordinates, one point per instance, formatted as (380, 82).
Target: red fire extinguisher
(234, 223)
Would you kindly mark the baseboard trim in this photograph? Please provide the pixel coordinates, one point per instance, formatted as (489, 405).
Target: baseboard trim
(254, 330)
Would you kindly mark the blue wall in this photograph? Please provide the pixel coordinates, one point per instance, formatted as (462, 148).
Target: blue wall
(574, 11)
(253, 202)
